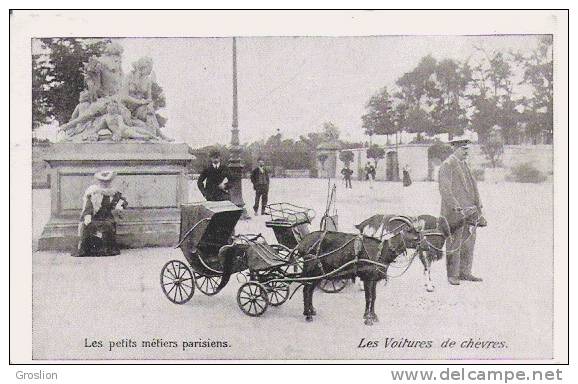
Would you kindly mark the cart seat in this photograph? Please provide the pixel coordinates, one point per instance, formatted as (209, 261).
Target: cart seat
(261, 256)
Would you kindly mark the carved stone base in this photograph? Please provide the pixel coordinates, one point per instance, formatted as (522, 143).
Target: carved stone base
(151, 176)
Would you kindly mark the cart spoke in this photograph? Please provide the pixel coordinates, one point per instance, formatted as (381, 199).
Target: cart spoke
(257, 304)
(245, 296)
(169, 271)
(175, 295)
(174, 272)
(179, 293)
(274, 296)
(170, 290)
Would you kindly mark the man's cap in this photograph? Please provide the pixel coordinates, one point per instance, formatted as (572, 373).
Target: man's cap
(460, 143)
(105, 175)
(214, 154)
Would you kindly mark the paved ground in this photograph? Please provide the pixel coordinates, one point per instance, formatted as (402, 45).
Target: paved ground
(79, 300)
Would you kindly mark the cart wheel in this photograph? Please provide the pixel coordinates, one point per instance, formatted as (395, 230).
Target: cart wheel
(332, 286)
(177, 282)
(252, 299)
(278, 292)
(207, 284)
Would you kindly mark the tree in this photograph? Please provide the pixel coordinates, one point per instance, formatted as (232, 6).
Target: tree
(493, 147)
(539, 74)
(58, 76)
(416, 86)
(415, 97)
(376, 153)
(41, 111)
(380, 116)
(416, 120)
(346, 157)
(493, 102)
(449, 113)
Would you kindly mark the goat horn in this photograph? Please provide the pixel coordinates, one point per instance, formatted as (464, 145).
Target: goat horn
(405, 219)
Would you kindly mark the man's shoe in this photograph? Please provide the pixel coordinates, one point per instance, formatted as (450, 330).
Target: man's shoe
(454, 280)
(471, 278)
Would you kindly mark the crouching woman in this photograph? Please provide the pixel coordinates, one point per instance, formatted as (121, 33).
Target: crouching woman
(97, 227)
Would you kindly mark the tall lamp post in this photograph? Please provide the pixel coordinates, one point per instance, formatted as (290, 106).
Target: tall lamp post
(235, 162)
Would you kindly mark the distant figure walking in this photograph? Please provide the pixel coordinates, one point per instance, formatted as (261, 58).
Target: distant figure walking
(406, 176)
(370, 172)
(260, 180)
(217, 177)
(347, 172)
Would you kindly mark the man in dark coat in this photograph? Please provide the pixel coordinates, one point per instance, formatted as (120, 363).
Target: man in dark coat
(347, 172)
(459, 191)
(217, 176)
(260, 180)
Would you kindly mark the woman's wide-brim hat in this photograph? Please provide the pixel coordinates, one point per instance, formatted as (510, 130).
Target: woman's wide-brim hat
(105, 175)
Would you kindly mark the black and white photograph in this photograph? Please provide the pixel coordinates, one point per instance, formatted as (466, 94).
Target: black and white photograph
(281, 195)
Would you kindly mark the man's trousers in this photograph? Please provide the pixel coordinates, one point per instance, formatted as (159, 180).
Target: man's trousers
(460, 251)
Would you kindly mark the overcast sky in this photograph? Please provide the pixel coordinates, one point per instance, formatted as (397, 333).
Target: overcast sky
(293, 84)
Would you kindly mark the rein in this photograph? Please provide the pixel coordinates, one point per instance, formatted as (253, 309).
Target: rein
(459, 247)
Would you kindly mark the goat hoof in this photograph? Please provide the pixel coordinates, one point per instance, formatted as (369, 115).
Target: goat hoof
(368, 322)
(429, 289)
(309, 318)
(375, 318)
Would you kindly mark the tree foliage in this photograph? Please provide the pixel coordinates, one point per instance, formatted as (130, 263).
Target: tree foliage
(346, 157)
(376, 153)
(538, 116)
(448, 96)
(493, 147)
(380, 116)
(57, 76)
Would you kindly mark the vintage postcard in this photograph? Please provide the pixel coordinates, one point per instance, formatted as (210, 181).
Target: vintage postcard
(351, 186)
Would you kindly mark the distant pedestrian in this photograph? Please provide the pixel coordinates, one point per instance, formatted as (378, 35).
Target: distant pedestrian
(347, 172)
(406, 176)
(260, 180)
(217, 177)
(370, 171)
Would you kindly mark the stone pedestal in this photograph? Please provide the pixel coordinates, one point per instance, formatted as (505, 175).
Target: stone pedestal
(151, 176)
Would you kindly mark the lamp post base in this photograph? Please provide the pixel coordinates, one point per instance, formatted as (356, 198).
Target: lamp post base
(236, 187)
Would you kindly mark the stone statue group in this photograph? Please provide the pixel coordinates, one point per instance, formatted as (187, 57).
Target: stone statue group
(113, 106)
